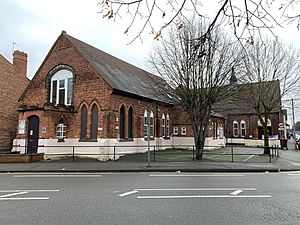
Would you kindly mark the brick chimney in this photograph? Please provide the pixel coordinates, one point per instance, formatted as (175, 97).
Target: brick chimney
(20, 62)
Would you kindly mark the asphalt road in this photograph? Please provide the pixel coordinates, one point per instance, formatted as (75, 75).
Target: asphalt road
(150, 198)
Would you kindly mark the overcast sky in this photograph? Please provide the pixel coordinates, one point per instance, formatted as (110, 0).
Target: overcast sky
(34, 25)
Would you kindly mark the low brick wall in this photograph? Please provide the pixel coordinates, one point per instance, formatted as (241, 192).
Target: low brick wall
(20, 158)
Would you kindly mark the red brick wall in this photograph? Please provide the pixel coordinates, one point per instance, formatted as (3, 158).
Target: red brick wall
(251, 124)
(12, 85)
(180, 119)
(139, 107)
(89, 88)
(108, 118)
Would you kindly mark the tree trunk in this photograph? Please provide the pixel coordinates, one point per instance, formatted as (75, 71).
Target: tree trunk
(199, 139)
(199, 144)
(266, 141)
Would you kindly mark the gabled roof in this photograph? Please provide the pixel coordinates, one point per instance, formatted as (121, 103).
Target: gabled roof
(246, 96)
(122, 76)
(4, 60)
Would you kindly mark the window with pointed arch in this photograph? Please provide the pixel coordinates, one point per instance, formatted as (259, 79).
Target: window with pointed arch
(243, 128)
(130, 123)
(61, 130)
(61, 89)
(122, 122)
(151, 125)
(83, 125)
(163, 124)
(94, 122)
(235, 129)
(145, 123)
(167, 126)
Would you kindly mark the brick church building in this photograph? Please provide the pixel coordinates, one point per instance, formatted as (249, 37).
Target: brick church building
(13, 82)
(242, 123)
(84, 98)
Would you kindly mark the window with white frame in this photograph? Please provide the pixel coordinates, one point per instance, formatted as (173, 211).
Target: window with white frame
(163, 125)
(145, 124)
(175, 130)
(151, 124)
(183, 131)
(235, 129)
(167, 126)
(61, 130)
(243, 128)
(61, 87)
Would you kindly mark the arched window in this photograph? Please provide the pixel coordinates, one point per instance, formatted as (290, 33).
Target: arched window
(163, 125)
(122, 122)
(61, 87)
(130, 123)
(61, 130)
(145, 124)
(94, 122)
(243, 128)
(168, 126)
(235, 129)
(83, 128)
(151, 124)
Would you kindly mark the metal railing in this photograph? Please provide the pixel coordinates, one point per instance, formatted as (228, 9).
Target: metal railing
(273, 154)
(158, 153)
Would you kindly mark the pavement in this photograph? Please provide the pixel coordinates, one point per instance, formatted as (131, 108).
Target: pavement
(289, 160)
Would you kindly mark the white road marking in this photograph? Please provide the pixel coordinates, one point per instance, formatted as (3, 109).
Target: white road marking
(7, 197)
(32, 198)
(248, 158)
(56, 175)
(196, 175)
(1, 191)
(236, 192)
(290, 172)
(204, 196)
(293, 174)
(127, 193)
(13, 194)
(194, 189)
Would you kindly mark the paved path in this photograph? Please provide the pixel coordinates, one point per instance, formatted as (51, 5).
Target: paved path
(289, 160)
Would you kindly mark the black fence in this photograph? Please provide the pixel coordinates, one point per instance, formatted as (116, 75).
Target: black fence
(154, 153)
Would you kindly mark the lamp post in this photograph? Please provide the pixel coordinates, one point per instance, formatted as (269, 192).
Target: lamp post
(293, 113)
(148, 137)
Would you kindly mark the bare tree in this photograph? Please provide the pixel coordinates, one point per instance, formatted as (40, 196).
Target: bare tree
(197, 70)
(244, 17)
(271, 72)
